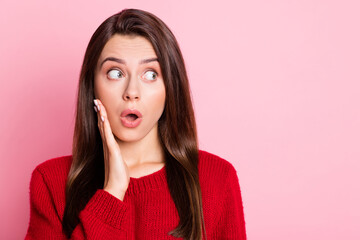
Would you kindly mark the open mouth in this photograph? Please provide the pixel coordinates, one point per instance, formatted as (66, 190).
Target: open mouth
(131, 117)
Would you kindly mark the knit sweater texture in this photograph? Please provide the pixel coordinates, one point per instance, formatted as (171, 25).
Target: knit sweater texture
(147, 211)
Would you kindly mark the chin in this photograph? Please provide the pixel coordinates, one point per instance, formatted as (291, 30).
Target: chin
(129, 135)
(124, 134)
(127, 138)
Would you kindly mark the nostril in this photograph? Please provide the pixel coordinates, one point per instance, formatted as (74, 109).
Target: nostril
(127, 97)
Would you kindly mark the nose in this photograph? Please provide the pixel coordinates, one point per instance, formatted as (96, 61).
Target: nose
(132, 89)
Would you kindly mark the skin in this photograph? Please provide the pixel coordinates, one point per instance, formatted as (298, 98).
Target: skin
(129, 152)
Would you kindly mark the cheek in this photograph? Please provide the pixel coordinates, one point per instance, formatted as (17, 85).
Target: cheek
(159, 100)
(155, 100)
(108, 95)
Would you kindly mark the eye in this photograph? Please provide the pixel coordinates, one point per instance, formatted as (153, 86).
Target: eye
(150, 75)
(114, 74)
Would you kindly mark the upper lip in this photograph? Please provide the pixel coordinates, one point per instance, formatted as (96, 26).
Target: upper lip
(131, 111)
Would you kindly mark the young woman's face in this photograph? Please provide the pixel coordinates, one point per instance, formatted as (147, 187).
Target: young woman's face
(128, 77)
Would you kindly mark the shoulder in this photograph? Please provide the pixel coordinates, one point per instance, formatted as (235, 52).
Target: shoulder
(47, 184)
(52, 172)
(57, 165)
(210, 160)
(214, 167)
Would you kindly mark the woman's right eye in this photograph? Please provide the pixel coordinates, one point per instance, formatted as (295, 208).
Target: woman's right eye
(114, 74)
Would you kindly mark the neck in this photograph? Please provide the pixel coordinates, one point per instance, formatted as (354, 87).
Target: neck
(146, 150)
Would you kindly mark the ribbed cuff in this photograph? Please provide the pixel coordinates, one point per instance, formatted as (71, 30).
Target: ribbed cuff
(108, 208)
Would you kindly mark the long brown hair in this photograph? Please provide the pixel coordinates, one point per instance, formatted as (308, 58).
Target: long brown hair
(177, 127)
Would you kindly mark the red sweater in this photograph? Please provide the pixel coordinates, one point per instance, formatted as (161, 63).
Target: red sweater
(147, 212)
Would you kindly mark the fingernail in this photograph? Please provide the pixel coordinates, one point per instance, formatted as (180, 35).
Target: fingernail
(95, 108)
(102, 118)
(95, 102)
(98, 107)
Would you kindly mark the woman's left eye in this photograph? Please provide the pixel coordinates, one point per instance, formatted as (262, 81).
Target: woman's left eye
(150, 75)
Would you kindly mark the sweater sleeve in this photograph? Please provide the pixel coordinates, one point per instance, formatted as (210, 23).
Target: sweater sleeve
(102, 217)
(231, 223)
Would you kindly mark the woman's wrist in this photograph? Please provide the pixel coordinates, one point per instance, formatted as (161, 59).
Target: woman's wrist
(120, 195)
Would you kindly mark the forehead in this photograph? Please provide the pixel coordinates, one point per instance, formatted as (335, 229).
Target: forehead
(128, 46)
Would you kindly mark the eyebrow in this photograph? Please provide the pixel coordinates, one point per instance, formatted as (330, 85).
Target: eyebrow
(122, 61)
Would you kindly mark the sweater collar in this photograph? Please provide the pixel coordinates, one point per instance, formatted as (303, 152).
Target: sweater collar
(146, 183)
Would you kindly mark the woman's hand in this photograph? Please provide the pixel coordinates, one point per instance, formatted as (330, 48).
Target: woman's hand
(116, 171)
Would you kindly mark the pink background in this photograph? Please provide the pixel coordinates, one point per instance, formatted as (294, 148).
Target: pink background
(276, 92)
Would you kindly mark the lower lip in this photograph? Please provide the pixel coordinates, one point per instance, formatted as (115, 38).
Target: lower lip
(130, 124)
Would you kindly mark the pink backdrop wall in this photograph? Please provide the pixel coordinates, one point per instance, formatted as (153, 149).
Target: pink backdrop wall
(276, 92)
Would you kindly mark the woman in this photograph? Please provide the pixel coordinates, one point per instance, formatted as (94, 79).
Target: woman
(135, 169)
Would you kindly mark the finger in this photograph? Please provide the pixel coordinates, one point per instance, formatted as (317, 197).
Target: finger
(100, 119)
(110, 140)
(107, 148)
(101, 130)
(104, 144)
(99, 122)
